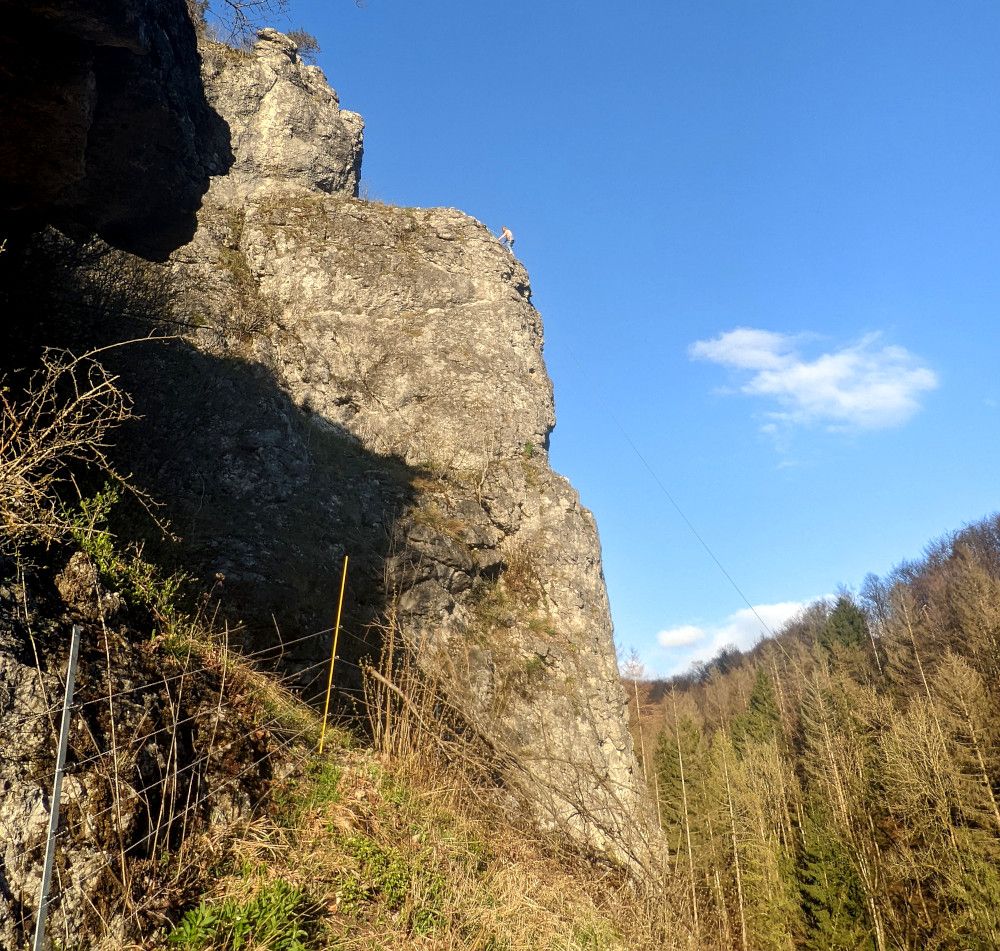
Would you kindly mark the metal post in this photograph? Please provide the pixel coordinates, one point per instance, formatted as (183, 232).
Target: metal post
(333, 655)
(50, 851)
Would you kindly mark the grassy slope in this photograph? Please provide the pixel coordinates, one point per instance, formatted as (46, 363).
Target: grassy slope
(363, 851)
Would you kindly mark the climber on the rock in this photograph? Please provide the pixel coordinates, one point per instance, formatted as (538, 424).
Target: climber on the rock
(507, 238)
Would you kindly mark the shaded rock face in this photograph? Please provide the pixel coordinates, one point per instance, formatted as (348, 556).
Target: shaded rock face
(105, 124)
(404, 341)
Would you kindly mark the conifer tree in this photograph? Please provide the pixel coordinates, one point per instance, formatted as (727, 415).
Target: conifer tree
(762, 784)
(975, 600)
(968, 714)
(679, 765)
(972, 895)
(836, 761)
(920, 802)
(761, 722)
(833, 902)
(845, 627)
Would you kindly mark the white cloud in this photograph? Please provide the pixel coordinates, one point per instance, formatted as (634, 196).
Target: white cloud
(680, 636)
(745, 347)
(743, 628)
(681, 646)
(860, 386)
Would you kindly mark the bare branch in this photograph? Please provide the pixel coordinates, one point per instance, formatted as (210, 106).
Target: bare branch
(63, 419)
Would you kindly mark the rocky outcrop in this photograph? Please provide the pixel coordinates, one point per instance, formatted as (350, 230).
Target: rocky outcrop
(404, 340)
(105, 124)
(345, 378)
(153, 757)
(286, 126)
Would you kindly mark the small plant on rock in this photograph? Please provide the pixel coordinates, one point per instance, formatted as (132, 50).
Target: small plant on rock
(307, 43)
(128, 573)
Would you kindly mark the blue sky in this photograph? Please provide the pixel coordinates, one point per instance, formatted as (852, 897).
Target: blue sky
(764, 241)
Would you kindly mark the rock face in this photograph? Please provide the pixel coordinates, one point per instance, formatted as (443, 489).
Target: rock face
(105, 124)
(287, 130)
(410, 431)
(346, 378)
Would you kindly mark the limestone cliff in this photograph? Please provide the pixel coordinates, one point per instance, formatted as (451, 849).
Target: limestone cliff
(404, 340)
(343, 377)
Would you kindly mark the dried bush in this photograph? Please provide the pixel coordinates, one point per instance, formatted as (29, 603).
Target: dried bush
(308, 45)
(61, 419)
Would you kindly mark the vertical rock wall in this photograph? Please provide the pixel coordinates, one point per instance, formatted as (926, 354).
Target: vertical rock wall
(105, 124)
(373, 382)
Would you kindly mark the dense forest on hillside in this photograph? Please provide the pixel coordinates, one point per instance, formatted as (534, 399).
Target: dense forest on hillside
(837, 786)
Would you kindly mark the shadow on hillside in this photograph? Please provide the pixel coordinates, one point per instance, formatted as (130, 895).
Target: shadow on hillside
(265, 496)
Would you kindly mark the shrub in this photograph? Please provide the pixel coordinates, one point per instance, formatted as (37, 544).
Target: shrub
(307, 43)
(128, 573)
(61, 419)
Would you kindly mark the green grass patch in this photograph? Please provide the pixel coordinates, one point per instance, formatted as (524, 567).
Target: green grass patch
(280, 917)
(405, 885)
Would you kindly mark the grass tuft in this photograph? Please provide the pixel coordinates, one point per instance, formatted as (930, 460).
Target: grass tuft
(277, 916)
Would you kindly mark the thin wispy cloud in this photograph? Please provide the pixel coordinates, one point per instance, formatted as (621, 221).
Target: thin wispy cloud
(741, 629)
(865, 386)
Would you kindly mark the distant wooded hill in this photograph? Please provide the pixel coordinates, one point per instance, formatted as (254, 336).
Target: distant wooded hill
(837, 786)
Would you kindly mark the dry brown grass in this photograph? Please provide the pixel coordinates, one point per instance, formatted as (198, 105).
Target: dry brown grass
(415, 843)
(401, 857)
